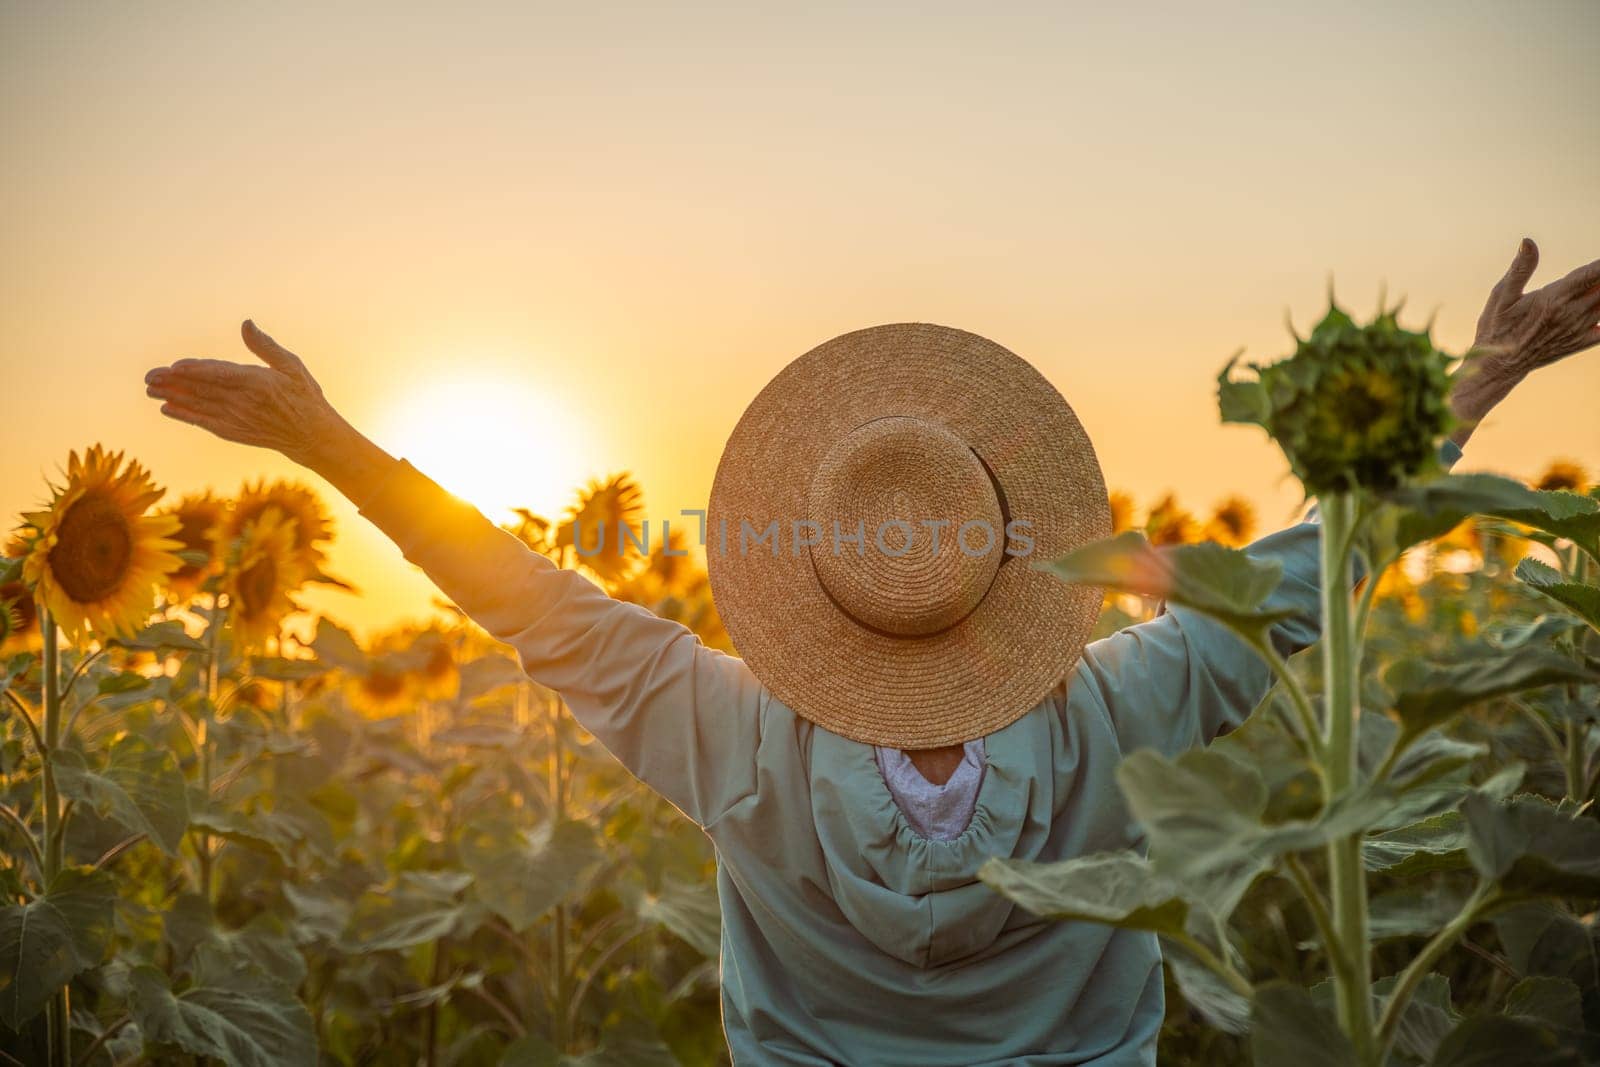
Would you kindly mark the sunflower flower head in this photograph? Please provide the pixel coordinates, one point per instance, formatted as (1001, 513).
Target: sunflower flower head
(597, 527)
(439, 676)
(1233, 522)
(296, 502)
(383, 689)
(1396, 585)
(260, 573)
(425, 656)
(1465, 536)
(1121, 511)
(669, 563)
(1563, 474)
(17, 603)
(1169, 524)
(1355, 407)
(201, 517)
(94, 556)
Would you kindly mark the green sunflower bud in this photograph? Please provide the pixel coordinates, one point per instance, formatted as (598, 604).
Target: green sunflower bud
(1355, 407)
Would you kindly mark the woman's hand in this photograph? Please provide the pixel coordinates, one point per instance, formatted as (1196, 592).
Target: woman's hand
(279, 406)
(1520, 332)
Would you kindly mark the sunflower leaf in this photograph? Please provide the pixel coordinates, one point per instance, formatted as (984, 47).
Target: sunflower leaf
(1528, 845)
(335, 644)
(1119, 889)
(1227, 584)
(280, 669)
(488, 673)
(1420, 511)
(1570, 515)
(234, 1011)
(1556, 1002)
(687, 909)
(141, 788)
(1496, 1039)
(169, 633)
(1429, 694)
(1288, 1027)
(521, 875)
(1582, 600)
(51, 939)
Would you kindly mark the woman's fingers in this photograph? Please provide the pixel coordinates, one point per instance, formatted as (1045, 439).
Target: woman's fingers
(1509, 289)
(214, 368)
(271, 352)
(183, 413)
(1585, 277)
(209, 377)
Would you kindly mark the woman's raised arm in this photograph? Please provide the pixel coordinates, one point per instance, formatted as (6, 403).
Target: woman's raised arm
(684, 718)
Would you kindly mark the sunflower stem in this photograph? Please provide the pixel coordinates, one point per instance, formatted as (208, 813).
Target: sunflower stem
(558, 938)
(1340, 664)
(57, 1014)
(203, 739)
(26, 716)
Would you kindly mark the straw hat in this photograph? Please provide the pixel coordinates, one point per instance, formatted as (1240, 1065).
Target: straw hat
(827, 505)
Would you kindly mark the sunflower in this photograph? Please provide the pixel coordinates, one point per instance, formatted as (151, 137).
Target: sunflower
(1463, 537)
(1232, 523)
(535, 531)
(1121, 511)
(261, 570)
(439, 677)
(19, 628)
(383, 689)
(1564, 474)
(93, 555)
(257, 694)
(1170, 524)
(312, 526)
(1505, 547)
(1353, 407)
(424, 656)
(202, 517)
(595, 526)
(1396, 584)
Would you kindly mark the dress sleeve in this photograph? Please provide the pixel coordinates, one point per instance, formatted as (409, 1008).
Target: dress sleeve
(1181, 679)
(682, 717)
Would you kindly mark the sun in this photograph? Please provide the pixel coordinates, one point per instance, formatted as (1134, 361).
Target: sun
(494, 443)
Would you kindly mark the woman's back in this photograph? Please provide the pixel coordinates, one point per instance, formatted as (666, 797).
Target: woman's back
(849, 937)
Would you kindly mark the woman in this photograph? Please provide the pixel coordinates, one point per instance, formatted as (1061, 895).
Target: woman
(902, 713)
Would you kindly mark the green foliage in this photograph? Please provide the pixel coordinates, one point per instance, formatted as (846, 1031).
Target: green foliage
(232, 1010)
(1427, 784)
(1427, 694)
(1224, 583)
(1289, 1029)
(1583, 600)
(48, 941)
(139, 787)
(251, 865)
(300, 878)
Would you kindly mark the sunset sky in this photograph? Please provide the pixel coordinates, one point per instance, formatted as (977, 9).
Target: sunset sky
(522, 245)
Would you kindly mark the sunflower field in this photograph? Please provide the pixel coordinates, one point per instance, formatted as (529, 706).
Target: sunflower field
(227, 845)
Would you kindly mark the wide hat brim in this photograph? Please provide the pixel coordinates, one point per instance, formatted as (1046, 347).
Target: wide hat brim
(1027, 631)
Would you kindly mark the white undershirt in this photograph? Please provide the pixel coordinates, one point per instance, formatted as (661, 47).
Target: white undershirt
(940, 812)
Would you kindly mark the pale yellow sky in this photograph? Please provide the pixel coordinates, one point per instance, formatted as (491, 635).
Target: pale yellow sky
(572, 242)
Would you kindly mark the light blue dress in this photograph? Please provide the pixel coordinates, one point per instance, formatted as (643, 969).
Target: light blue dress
(849, 937)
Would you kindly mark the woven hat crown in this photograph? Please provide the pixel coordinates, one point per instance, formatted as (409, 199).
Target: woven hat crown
(911, 524)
